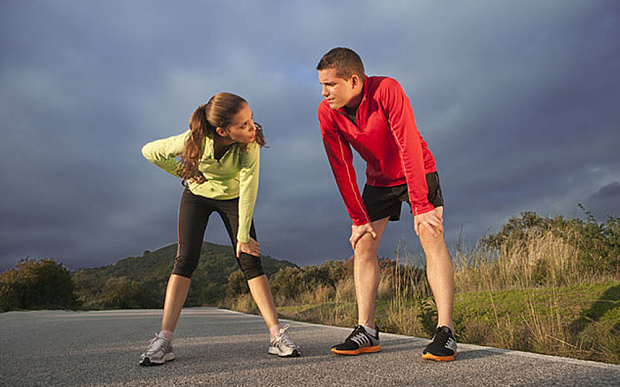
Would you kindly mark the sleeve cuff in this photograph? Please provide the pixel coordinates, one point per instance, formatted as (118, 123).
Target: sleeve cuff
(243, 238)
(419, 210)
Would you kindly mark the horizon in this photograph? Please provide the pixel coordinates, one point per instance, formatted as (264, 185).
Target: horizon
(416, 258)
(517, 101)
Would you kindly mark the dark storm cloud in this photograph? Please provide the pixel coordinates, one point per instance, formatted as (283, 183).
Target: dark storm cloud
(609, 191)
(605, 201)
(517, 100)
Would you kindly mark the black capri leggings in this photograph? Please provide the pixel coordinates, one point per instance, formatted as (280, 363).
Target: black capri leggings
(194, 214)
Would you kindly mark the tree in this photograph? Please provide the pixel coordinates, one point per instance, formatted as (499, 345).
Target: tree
(36, 285)
(119, 293)
(237, 284)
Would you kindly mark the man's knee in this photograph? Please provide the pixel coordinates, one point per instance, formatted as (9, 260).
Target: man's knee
(251, 266)
(431, 244)
(366, 249)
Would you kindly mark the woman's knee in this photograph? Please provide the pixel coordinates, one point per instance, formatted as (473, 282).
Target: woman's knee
(251, 266)
(184, 266)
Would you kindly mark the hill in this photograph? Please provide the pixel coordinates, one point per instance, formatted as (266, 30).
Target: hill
(140, 282)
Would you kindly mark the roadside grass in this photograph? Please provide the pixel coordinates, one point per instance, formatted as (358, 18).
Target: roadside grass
(544, 285)
(578, 321)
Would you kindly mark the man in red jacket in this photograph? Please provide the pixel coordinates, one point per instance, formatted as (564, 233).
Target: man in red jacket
(374, 116)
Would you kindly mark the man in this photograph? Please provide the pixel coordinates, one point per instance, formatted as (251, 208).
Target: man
(374, 116)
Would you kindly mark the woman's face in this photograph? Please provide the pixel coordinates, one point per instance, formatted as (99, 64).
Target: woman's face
(241, 129)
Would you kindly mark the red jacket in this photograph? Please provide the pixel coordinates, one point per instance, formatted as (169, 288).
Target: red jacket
(386, 137)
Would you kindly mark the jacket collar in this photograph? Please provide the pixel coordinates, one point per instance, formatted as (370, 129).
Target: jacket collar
(364, 94)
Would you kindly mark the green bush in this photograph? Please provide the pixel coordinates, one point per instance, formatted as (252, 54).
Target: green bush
(287, 283)
(33, 284)
(237, 284)
(122, 293)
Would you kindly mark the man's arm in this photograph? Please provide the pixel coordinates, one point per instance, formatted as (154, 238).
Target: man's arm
(340, 159)
(400, 116)
(412, 148)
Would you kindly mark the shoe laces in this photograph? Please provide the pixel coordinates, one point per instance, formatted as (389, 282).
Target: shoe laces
(157, 343)
(442, 339)
(284, 338)
(359, 330)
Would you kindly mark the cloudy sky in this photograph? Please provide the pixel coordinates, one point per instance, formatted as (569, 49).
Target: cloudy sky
(518, 101)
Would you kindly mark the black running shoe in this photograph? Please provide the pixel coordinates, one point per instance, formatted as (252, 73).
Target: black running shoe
(442, 346)
(359, 341)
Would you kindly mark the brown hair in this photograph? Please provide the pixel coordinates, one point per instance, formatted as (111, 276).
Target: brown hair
(217, 113)
(345, 61)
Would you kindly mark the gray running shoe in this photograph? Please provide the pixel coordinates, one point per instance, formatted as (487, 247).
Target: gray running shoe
(159, 351)
(282, 345)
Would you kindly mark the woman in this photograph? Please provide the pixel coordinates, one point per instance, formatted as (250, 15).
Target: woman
(218, 162)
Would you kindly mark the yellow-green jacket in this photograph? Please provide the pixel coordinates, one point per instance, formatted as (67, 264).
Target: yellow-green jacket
(235, 175)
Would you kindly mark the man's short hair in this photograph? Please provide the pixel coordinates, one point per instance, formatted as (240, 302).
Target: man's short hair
(345, 61)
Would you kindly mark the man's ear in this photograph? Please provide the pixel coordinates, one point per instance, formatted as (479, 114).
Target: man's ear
(356, 81)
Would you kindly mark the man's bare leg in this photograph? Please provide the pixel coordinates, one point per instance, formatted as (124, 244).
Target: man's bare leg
(440, 273)
(366, 274)
(364, 240)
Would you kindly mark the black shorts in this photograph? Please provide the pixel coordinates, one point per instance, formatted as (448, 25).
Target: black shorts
(194, 214)
(382, 202)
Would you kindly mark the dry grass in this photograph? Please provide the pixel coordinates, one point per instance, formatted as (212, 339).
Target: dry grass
(345, 291)
(244, 303)
(539, 260)
(320, 295)
(513, 300)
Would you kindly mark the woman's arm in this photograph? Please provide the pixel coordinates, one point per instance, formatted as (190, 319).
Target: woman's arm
(164, 152)
(248, 189)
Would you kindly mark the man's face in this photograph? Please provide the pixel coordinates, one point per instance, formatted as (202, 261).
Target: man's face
(337, 91)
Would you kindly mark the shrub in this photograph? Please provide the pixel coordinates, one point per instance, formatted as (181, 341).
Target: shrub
(36, 285)
(597, 245)
(237, 284)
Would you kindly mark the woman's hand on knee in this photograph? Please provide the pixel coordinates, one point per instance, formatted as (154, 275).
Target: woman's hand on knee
(250, 247)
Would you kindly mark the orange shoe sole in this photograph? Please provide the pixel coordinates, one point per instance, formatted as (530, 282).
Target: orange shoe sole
(376, 348)
(430, 356)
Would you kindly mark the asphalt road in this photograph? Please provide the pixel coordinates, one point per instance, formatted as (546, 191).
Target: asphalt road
(217, 347)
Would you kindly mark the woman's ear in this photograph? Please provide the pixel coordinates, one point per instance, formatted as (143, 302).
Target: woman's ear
(221, 132)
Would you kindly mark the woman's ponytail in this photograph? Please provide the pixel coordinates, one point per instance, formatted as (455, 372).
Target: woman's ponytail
(199, 127)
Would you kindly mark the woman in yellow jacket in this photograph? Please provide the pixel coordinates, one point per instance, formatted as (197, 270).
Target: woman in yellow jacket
(218, 161)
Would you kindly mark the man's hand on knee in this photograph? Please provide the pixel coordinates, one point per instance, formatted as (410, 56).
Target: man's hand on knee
(432, 221)
(357, 232)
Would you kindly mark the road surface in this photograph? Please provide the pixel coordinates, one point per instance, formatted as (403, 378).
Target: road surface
(217, 347)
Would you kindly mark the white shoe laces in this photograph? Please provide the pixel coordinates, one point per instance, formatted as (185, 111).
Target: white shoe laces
(284, 338)
(157, 344)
